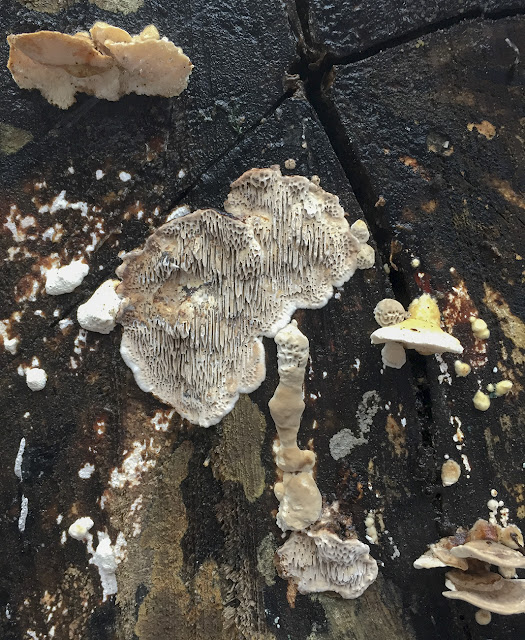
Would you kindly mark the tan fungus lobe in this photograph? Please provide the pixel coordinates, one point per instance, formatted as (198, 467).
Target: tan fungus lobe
(319, 560)
(208, 285)
(107, 62)
(450, 473)
(298, 495)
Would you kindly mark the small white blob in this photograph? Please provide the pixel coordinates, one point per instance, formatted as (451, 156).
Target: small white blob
(66, 279)
(99, 312)
(124, 176)
(80, 528)
(99, 174)
(86, 471)
(36, 378)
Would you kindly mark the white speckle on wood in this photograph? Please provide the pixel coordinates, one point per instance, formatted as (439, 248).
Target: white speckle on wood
(24, 508)
(18, 459)
(86, 471)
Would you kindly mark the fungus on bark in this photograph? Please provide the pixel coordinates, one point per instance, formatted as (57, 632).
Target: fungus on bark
(107, 62)
(298, 495)
(320, 560)
(420, 331)
(472, 553)
(208, 285)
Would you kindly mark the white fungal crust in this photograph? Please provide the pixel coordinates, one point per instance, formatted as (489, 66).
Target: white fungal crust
(106, 62)
(209, 284)
(66, 279)
(321, 561)
(300, 502)
(99, 312)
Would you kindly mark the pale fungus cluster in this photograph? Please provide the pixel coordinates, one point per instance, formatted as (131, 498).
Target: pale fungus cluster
(471, 555)
(418, 328)
(107, 62)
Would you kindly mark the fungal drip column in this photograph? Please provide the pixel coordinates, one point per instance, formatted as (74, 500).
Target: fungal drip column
(298, 495)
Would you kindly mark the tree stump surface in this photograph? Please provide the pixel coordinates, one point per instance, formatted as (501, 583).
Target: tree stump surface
(414, 118)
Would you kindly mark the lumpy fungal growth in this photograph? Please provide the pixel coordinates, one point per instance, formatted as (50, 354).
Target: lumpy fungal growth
(298, 495)
(107, 62)
(321, 560)
(420, 331)
(462, 369)
(481, 401)
(207, 285)
(471, 554)
(479, 328)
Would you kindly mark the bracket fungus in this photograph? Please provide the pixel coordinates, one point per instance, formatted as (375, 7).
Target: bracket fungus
(209, 284)
(320, 560)
(107, 62)
(471, 554)
(298, 495)
(420, 331)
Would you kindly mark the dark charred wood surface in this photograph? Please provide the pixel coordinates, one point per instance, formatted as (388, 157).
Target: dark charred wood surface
(377, 129)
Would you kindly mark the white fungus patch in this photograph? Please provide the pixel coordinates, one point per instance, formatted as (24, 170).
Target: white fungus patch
(124, 176)
(161, 419)
(86, 471)
(105, 557)
(208, 285)
(99, 174)
(66, 279)
(10, 343)
(135, 465)
(99, 312)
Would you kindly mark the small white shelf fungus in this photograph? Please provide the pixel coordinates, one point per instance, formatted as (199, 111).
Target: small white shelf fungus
(481, 401)
(300, 501)
(462, 369)
(450, 473)
(471, 554)
(420, 331)
(479, 328)
(107, 62)
(99, 312)
(66, 279)
(319, 560)
(36, 378)
(208, 285)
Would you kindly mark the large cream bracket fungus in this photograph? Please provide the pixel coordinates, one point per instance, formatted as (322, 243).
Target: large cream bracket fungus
(419, 329)
(298, 495)
(470, 554)
(207, 285)
(107, 62)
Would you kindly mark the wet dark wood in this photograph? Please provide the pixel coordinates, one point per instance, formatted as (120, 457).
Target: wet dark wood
(200, 533)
